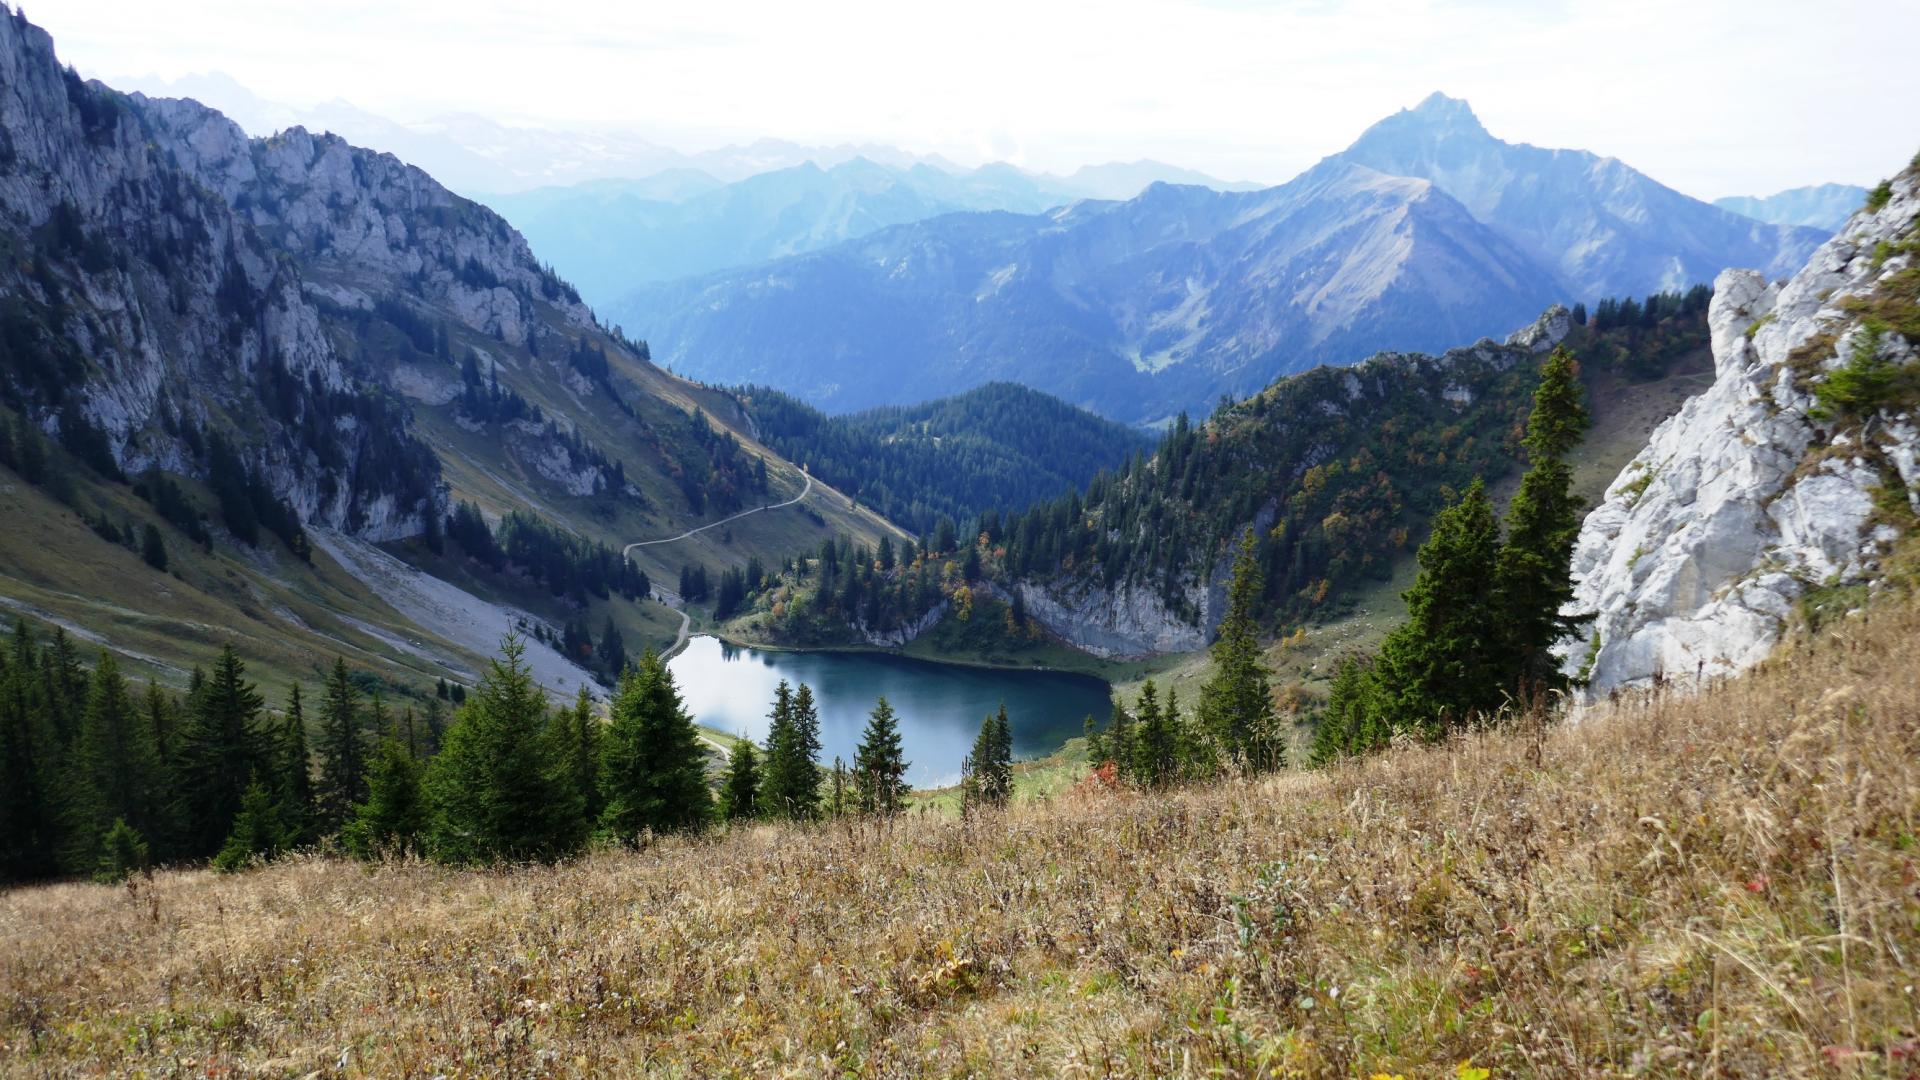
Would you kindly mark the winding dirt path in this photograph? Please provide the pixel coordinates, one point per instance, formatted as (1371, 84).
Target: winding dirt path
(672, 600)
(804, 492)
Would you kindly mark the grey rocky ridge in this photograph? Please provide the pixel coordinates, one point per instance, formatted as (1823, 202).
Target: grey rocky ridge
(1790, 479)
(300, 333)
(155, 307)
(1821, 206)
(314, 301)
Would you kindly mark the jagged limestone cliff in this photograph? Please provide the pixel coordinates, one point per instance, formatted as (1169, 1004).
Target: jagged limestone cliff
(1795, 471)
(138, 302)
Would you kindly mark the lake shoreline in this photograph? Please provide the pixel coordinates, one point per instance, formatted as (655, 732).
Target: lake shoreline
(940, 701)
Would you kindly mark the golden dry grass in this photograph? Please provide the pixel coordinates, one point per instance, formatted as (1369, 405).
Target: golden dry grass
(1723, 885)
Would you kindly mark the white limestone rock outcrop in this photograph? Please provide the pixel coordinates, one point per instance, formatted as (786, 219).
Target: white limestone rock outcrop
(1752, 493)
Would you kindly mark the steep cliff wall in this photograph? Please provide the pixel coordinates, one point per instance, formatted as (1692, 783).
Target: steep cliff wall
(1795, 471)
(138, 302)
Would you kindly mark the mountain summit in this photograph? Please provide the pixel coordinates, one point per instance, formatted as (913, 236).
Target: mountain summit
(1603, 227)
(1426, 232)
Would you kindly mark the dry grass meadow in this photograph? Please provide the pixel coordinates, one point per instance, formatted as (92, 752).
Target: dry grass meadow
(1723, 885)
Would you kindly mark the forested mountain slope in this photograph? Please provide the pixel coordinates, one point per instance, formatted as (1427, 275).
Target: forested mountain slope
(1336, 471)
(1000, 446)
(267, 336)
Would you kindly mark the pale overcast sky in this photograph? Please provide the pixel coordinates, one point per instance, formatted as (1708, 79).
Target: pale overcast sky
(1715, 98)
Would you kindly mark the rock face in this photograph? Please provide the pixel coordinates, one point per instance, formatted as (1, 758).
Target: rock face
(141, 305)
(1121, 622)
(358, 220)
(1758, 489)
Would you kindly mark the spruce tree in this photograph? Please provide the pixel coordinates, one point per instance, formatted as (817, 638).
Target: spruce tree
(1533, 577)
(805, 794)
(580, 738)
(653, 772)
(115, 774)
(1440, 668)
(1156, 741)
(791, 786)
(153, 547)
(879, 769)
(221, 752)
(64, 685)
(987, 773)
(394, 817)
(256, 830)
(499, 787)
(777, 783)
(123, 852)
(29, 824)
(343, 751)
(293, 769)
(1353, 721)
(162, 715)
(1236, 704)
(739, 798)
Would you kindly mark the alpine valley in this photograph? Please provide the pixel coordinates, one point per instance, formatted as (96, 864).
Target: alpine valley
(481, 599)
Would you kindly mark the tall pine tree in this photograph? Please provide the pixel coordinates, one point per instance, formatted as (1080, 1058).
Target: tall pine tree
(294, 769)
(1440, 668)
(29, 826)
(1236, 704)
(879, 769)
(740, 797)
(343, 750)
(222, 752)
(1156, 741)
(499, 787)
(116, 774)
(1533, 579)
(791, 785)
(988, 770)
(580, 739)
(653, 772)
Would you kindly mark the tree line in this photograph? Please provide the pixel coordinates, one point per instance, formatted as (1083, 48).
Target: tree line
(100, 778)
(1483, 615)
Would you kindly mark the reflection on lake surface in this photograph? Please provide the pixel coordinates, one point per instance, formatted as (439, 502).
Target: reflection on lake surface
(730, 688)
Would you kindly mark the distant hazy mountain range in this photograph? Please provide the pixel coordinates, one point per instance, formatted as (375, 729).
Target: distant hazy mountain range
(1427, 232)
(1823, 206)
(476, 156)
(609, 236)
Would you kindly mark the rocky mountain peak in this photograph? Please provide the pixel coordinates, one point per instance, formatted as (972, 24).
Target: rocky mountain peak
(1437, 121)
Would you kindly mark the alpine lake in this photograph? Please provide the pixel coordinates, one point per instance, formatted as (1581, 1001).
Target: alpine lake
(730, 689)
